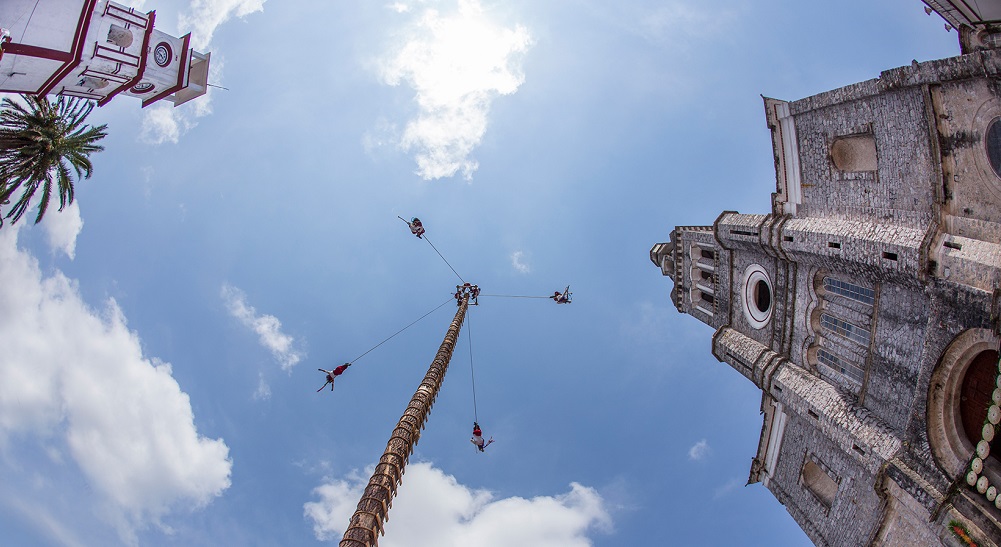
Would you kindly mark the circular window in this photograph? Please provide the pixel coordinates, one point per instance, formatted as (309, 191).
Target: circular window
(993, 143)
(757, 296)
(162, 54)
(142, 87)
(762, 296)
(987, 156)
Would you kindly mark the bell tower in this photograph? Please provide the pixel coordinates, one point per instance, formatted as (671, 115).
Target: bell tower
(866, 305)
(694, 260)
(95, 49)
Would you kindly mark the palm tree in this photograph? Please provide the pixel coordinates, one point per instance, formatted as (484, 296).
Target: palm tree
(39, 142)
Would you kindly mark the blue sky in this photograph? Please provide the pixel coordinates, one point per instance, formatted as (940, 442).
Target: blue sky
(161, 336)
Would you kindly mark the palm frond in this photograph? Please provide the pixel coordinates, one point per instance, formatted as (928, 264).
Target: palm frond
(41, 141)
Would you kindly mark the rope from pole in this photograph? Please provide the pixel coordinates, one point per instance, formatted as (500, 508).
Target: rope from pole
(513, 296)
(401, 330)
(366, 524)
(472, 376)
(425, 238)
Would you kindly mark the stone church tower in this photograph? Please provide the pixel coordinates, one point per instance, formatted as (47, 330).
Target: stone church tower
(865, 305)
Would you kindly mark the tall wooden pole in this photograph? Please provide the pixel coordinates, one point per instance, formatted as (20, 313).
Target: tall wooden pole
(365, 525)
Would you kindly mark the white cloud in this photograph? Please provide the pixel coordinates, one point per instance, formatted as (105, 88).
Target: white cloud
(457, 65)
(399, 7)
(263, 392)
(675, 25)
(267, 327)
(647, 322)
(42, 519)
(380, 137)
(699, 451)
(163, 123)
(147, 172)
(726, 489)
(338, 500)
(671, 19)
(433, 509)
(205, 16)
(62, 228)
(518, 262)
(77, 382)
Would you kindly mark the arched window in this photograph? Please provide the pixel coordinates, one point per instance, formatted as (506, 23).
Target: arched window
(91, 82)
(855, 153)
(845, 329)
(960, 397)
(975, 399)
(992, 142)
(840, 352)
(816, 479)
(839, 365)
(855, 292)
(703, 275)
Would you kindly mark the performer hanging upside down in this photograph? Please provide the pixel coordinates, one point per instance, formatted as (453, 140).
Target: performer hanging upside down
(331, 374)
(562, 297)
(416, 227)
(478, 438)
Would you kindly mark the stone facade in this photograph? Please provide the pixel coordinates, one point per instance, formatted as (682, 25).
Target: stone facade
(862, 303)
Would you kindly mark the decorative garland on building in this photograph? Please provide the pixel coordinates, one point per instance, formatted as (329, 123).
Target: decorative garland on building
(960, 531)
(973, 477)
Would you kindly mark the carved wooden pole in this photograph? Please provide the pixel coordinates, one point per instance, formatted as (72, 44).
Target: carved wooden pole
(365, 525)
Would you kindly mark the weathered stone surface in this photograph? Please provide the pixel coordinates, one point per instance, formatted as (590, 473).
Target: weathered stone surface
(919, 227)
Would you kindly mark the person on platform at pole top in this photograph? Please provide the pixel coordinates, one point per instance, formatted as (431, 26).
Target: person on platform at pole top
(472, 290)
(478, 438)
(331, 374)
(416, 227)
